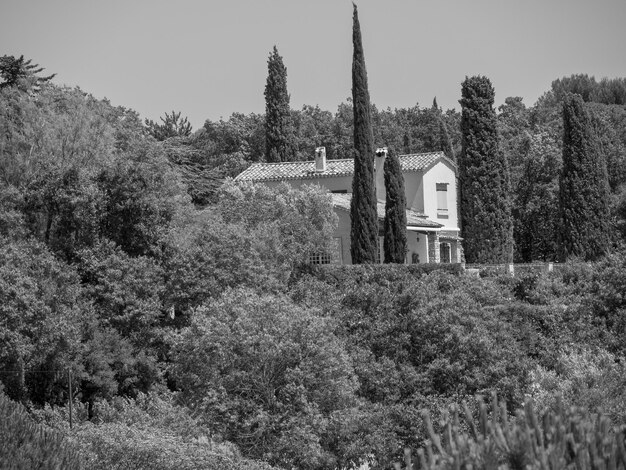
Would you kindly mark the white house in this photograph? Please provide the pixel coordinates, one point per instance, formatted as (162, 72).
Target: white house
(430, 184)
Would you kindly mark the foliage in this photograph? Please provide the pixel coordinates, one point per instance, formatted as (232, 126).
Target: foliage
(559, 440)
(255, 236)
(172, 126)
(583, 187)
(107, 271)
(21, 73)
(445, 142)
(267, 374)
(150, 431)
(607, 91)
(385, 274)
(126, 291)
(585, 378)
(395, 212)
(363, 218)
(278, 126)
(42, 310)
(484, 179)
(25, 445)
(536, 205)
(295, 222)
(141, 197)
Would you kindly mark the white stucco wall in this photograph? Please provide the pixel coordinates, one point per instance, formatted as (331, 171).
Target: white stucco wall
(337, 183)
(417, 243)
(414, 191)
(441, 172)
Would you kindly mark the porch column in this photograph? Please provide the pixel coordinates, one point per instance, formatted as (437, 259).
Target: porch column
(456, 251)
(433, 248)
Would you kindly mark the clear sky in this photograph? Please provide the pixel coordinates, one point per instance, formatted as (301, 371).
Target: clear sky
(208, 58)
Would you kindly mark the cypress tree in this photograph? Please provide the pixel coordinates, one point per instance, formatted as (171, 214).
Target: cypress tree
(364, 220)
(583, 187)
(278, 125)
(445, 143)
(395, 211)
(484, 179)
(437, 136)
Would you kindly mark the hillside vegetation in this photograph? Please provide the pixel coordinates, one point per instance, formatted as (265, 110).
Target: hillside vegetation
(197, 337)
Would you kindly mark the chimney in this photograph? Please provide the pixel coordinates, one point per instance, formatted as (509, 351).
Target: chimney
(320, 159)
(381, 155)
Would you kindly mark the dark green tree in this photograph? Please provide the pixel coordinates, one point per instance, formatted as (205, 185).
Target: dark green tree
(484, 179)
(17, 72)
(536, 199)
(583, 187)
(395, 211)
(445, 142)
(172, 126)
(278, 125)
(364, 220)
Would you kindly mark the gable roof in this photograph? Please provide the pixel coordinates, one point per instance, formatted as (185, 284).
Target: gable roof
(282, 171)
(413, 218)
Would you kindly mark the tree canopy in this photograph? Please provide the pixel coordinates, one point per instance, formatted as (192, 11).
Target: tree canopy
(21, 73)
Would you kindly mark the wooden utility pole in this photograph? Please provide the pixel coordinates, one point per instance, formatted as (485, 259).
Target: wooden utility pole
(70, 397)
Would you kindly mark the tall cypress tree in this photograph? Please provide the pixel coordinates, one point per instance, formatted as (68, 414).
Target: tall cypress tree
(364, 221)
(395, 211)
(278, 125)
(583, 187)
(484, 180)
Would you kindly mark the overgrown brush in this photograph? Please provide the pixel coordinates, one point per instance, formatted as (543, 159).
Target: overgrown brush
(562, 439)
(25, 445)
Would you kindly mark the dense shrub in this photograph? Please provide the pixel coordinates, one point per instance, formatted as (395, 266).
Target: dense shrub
(377, 273)
(559, 440)
(149, 432)
(25, 445)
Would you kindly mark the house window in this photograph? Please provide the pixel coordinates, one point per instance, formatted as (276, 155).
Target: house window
(442, 197)
(334, 256)
(319, 258)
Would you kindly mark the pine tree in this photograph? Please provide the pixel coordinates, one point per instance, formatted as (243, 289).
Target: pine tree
(484, 179)
(364, 220)
(172, 126)
(21, 73)
(278, 126)
(395, 211)
(583, 187)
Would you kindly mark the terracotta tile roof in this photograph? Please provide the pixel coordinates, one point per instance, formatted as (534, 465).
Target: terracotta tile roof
(306, 170)
(420, 161)
(413, 219)
(295, 170)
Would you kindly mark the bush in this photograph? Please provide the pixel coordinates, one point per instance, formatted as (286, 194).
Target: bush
(377, 273)
(149, 432)
(27, 445)
(561, 439)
